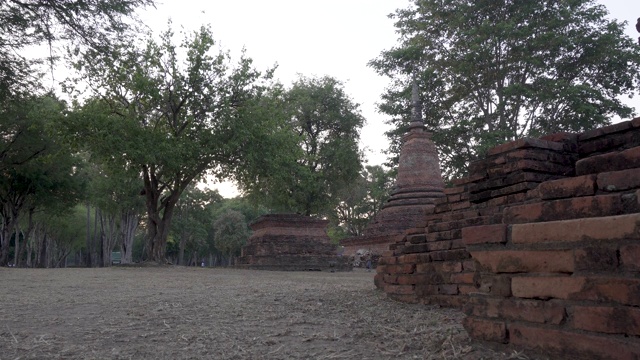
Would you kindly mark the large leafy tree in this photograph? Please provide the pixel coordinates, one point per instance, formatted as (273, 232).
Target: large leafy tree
(174, 113)
(493, 71)
(28, 23)
(317, 153)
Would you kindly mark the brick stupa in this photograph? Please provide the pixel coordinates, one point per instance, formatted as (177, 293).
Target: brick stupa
(291, 242)
(418, 185)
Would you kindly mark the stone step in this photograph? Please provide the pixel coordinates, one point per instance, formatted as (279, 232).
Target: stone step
(573, 208)
(622, 160)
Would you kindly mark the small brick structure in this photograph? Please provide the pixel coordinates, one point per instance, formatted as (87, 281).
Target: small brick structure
(540, 245)
(291, 242)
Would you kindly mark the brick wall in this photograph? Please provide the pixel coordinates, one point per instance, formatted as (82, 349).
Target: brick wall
(540, 245)
(442, 271)
(290, 242)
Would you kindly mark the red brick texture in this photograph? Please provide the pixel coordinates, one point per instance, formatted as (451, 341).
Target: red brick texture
(540, 245)
(290, 242)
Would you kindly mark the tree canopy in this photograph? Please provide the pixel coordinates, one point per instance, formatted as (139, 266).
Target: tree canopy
(231, 232)
(362, 199)
(493, 71)
(36, 169)
(27, 23)
(172, 117)
(317, 154)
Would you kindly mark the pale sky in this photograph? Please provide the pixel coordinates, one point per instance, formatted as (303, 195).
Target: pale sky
(330, 37)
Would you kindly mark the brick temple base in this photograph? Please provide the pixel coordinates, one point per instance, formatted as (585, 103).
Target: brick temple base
(291, 242)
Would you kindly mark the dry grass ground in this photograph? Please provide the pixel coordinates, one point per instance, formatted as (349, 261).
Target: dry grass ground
(180, 313)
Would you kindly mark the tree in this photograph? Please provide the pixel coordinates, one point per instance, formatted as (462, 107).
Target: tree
(361, 200)
(24, 23)
(231, 233)
(318, 157)
(172, 120)
(495, 71)
(115, 195)
(55, 236)
(193, 219)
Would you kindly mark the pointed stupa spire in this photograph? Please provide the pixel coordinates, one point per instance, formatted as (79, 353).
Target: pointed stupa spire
(416, 106)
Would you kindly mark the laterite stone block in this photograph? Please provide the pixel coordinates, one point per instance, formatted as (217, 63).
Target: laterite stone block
(525, 261)
(485, 234)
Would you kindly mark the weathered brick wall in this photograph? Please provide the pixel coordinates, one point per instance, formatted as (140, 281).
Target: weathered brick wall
(431, 264)
(291, 242)
(540, 246)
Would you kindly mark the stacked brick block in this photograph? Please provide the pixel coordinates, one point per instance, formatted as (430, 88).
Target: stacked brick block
(540, 245)
(562, 272)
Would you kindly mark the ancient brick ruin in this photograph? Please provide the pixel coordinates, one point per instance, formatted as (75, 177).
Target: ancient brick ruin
(540, 245)
(418, 186)
(291, 242)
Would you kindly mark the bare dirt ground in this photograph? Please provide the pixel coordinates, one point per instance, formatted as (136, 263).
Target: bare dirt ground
(194, 313)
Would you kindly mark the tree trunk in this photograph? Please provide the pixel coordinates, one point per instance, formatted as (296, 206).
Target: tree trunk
(88, 239)
(41, 249)
(128, 227)
(16, 251)
(28, 238)
(108, 234)
(29, 263)
(9, 222)
(158, 229)
(181, 252)
(159, 211)
(96, 256)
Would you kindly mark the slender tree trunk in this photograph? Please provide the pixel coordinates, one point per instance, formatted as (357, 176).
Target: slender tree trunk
(16, 251)
(41, 260)
(129, 225)
(89, 243)
(96, 256)
(108, 231)
(181, 252)
(49, 251)
(9, 222)
(28, 263)
(28, 238)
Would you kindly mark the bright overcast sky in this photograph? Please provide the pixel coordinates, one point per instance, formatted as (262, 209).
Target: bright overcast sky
(330, 37)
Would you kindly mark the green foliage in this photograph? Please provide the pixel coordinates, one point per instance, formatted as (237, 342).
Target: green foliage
(314, 153)
(37, 170)
(361, 200)
(172, 119)
(192, 220)
(231, 232)
(94, 23)
(66, 231)
(249, 210)
(495, 71)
